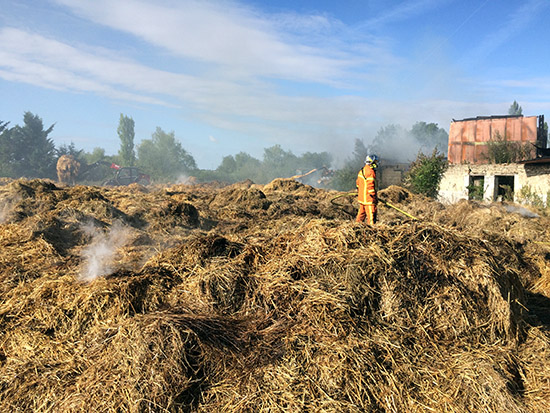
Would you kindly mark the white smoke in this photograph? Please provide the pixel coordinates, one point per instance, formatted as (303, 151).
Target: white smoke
(98, 257)
(7, 206)
(522, 211)
(399, 146)
(183, 179)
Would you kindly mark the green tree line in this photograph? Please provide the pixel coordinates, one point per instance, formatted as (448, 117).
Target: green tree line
(28, 151)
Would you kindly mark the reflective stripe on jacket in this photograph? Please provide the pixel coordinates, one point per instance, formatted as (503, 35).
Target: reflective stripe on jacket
(366, 186)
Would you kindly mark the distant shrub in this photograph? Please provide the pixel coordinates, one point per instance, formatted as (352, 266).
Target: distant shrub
(425, 173)
(528, 196)
(501, 150)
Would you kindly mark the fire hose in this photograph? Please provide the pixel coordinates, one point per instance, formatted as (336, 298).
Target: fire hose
(386, 203)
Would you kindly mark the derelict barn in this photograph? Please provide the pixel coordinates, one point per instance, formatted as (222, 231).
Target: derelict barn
(473, 172)
(391, 173)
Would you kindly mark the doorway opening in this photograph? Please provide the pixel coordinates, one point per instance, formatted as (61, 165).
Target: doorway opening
(504, 188)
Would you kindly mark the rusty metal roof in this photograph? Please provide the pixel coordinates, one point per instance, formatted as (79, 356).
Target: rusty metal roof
(488, 117)
(469, 138)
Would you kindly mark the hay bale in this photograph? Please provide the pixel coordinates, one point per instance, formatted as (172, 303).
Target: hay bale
(67, 169)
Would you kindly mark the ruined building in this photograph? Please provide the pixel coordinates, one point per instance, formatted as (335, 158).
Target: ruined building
(497, 158)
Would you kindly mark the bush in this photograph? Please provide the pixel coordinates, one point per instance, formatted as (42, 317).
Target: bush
(531, 197)
(425, 173)
(475, 192)
(501, 150)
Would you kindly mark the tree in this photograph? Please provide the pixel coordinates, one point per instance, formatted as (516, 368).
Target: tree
(359, 154)
(6, 150)
(344, 179)
(164, 157)
(430, 136)
(312, 160)
(391, 142)
(95, 166)
(278, 163)
(515, 109)
(32, 152)
(70, 150)
(228, 166)
(425, 173)
(97, 154)
(248, 167)
(126, 134)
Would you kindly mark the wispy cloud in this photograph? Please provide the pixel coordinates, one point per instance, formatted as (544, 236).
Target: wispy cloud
(244, 56)
(33, 59)
(238, 39)
(402, 11)
(519, 19)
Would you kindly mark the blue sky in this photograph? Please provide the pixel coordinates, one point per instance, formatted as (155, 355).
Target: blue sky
(232, 76)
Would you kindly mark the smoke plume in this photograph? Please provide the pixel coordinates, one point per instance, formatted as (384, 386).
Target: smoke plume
(522, 211)
(7, 205)
(99, 256)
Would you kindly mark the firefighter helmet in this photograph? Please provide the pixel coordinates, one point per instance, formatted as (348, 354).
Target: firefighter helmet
(372, 160)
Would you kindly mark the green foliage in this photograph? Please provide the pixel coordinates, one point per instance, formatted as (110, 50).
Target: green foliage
(425, 173)
(27, 150)
(164, 158)
(3, 126)
(396, 144)
(501, 150)
(228, 166)
(70, 150)
(430, 136)
(95, 167)
(386, 141)
(312, 160)
(475, 192)
(276, 163)
(126, 134)
(344, 178)
(97, 154)
(240, 167)
(529, 196)
(515, 109)
(6, 150)
(508, 193)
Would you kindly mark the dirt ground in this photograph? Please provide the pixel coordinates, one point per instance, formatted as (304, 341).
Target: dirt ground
(251, 298)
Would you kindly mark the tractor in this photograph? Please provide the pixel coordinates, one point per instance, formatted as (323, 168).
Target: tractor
(126, 175)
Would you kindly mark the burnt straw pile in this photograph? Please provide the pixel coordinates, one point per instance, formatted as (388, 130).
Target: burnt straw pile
(248, 298)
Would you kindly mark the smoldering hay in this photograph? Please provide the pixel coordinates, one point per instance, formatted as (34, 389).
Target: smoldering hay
(250, 298)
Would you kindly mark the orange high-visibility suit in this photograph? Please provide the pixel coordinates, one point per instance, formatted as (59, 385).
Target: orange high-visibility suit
(366, 195)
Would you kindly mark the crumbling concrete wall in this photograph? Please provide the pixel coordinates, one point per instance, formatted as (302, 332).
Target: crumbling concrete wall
(391, 174)
(534, 179)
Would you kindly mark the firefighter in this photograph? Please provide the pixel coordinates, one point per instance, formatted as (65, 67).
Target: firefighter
(366, 191)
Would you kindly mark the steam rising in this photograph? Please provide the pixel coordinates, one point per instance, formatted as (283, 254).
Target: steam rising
(522, 211)
(99, 256)
(184, 179)
(7, 206)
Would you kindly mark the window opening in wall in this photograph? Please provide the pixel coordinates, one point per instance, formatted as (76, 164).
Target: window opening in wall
(475, 188)
(504, 188)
